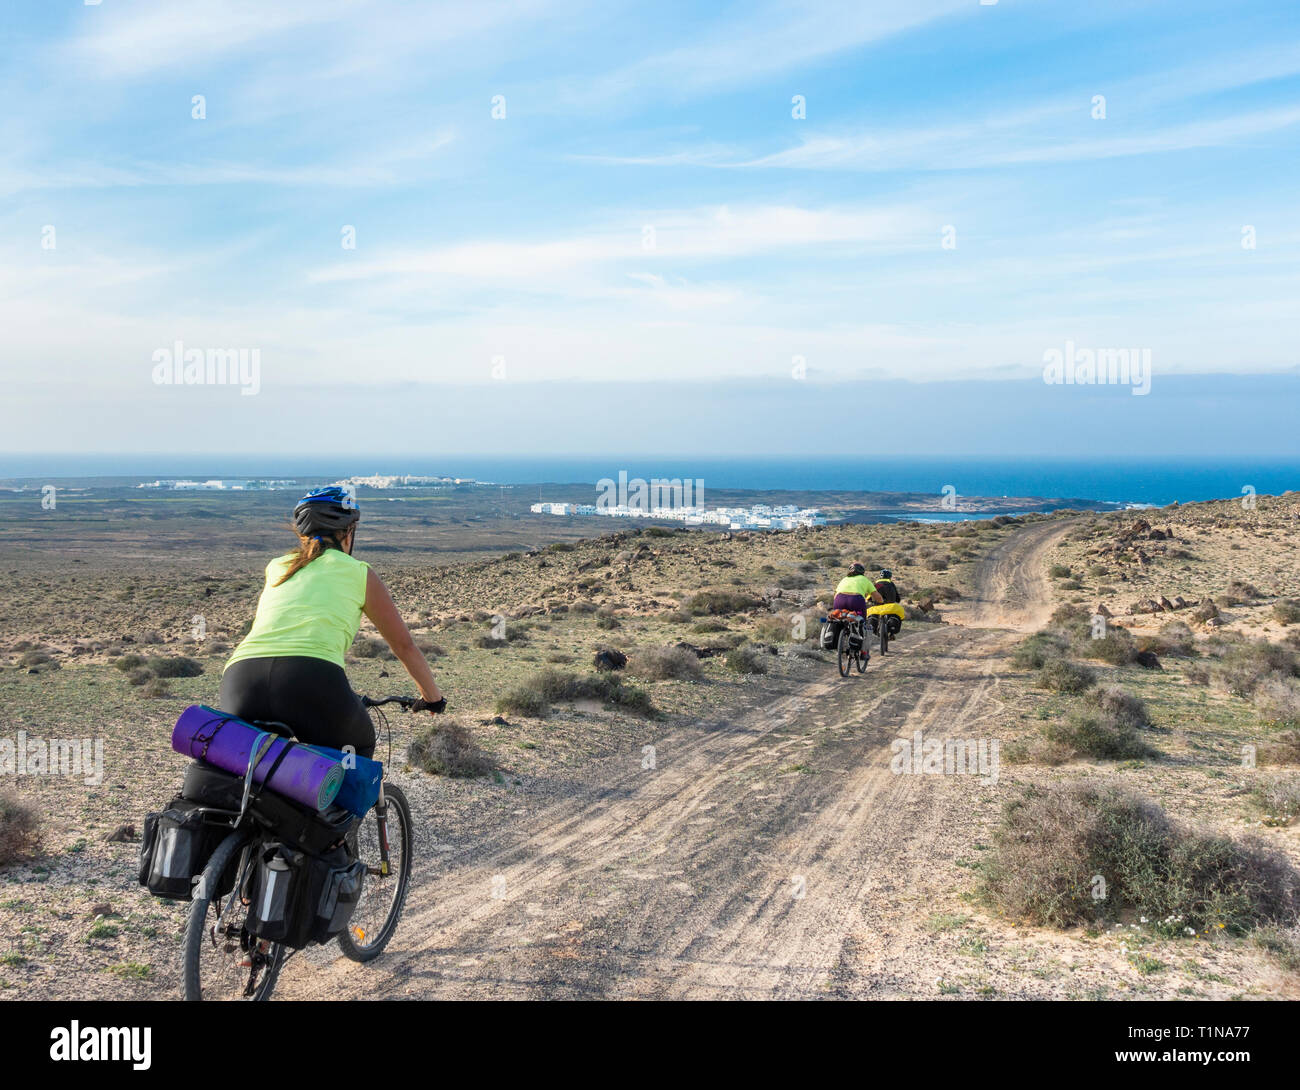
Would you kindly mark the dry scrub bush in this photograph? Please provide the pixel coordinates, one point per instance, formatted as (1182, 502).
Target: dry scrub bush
(19, 835)
(534, 696)
(448, 748)
(1054, 842)
(664, 664)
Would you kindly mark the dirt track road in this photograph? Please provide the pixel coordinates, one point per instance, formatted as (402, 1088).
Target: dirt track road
(773, 855)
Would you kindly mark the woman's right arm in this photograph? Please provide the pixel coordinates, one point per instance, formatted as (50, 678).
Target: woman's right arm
(383, 615)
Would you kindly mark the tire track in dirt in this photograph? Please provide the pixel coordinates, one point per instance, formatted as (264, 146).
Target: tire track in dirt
(1010, 588)
(746, 864)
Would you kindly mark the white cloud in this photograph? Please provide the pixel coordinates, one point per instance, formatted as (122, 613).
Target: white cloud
(692, 234)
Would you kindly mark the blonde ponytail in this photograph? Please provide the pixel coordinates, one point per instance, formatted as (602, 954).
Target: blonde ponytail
(309, 548)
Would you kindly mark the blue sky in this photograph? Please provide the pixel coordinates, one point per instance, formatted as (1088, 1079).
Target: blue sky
(648, 209)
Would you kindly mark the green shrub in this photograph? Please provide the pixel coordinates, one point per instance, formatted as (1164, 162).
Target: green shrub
(1116, 647)
(1094, 734)
(127, 663)
(1063, 676)
(1059, 571)
(535, 695)
(523, 701)
(722, 602)
(1034, 652)
(179, 666)
(747, 660)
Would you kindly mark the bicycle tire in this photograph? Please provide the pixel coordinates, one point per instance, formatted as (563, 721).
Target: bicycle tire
(197, 927)
(884, 634)
(844, 652)
(360, 951)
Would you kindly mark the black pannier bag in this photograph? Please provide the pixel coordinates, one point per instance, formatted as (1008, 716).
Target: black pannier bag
(274, 887)
(340, 890)
(297, 899)
(175, 847)
(830, 634)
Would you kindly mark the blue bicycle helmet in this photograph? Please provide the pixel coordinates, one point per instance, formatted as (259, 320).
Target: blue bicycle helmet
(325, 510)
(885, 573)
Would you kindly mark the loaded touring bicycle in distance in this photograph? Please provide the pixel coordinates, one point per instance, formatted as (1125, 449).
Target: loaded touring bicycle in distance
(301, 846)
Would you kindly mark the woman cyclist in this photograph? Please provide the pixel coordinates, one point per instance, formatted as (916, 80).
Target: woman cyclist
(289, 668)
(855, 590)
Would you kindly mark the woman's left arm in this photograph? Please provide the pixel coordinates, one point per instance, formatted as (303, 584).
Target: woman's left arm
(383, 615)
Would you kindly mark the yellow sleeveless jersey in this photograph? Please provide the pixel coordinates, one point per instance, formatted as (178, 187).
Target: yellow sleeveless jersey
(315, 613)
(856, 584)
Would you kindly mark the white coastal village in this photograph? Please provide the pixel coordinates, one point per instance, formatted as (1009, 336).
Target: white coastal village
(758, 517)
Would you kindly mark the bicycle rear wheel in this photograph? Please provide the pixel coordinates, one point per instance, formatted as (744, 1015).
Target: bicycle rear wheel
(216, 941)
(884, 633)
(846, 653)
(384, 893)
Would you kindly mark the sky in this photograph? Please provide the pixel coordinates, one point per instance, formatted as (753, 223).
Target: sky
(417, 212)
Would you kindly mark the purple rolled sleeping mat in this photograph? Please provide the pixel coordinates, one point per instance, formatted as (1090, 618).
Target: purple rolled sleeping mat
(305, 775)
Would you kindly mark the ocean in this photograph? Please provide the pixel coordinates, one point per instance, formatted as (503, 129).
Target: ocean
(1113, 480)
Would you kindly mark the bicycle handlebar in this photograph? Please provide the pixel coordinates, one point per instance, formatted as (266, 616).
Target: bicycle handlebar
(407, 703)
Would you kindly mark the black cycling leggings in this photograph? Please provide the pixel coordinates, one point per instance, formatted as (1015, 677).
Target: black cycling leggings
(310, 696)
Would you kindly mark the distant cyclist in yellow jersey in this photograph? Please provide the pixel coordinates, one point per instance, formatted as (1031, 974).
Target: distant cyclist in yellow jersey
(289, 668)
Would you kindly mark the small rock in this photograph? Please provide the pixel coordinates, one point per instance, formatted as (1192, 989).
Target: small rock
(101, 909)
(1147, 660)
(123, 834)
